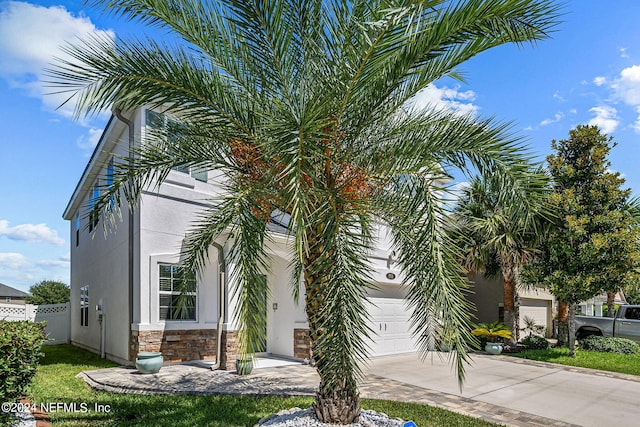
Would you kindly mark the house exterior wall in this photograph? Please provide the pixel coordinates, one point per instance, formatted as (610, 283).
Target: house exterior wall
(12, 300)
(487, 297)
(101, 263)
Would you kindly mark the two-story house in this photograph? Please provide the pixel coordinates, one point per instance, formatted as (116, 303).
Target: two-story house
(124, 284)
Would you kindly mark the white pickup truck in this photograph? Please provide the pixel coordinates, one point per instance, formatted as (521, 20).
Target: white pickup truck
(626, 324)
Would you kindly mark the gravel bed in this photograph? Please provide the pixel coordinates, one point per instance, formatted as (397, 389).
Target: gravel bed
(22, 419)
(297, 417)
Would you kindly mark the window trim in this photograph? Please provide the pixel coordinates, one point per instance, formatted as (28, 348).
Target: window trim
(160, 293)
(84, 305)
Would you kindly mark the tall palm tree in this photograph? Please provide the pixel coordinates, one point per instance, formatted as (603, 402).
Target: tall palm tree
(498, 233)
(297, 103)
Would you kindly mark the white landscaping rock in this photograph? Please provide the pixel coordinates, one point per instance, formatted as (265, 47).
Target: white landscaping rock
(296, 417)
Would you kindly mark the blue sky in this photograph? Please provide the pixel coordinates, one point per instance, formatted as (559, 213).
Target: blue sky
(589, 72)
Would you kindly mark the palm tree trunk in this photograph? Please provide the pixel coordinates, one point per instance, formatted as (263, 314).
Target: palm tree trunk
(611, 297)
(509, 298)
(337, 402)
(563, 324)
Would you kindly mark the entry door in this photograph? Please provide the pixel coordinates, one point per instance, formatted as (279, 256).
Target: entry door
(262, 304)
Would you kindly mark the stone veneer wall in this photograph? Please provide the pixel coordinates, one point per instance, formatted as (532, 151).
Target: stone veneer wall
(301, 344)
(229, 350)
(176, 346)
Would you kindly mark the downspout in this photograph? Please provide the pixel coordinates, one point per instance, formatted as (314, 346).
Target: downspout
(118, 113)
(222, 267)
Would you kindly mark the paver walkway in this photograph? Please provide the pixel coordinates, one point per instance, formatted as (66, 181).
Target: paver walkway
(295, 380)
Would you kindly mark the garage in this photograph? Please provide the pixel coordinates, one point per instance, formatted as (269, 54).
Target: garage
(537, 309)
(390, 321)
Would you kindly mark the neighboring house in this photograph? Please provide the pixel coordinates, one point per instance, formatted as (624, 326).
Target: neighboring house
(124, 284)
(594, 306)
(536, 303)
(11, 295)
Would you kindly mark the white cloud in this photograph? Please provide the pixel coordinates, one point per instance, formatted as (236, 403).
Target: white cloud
(89, 141)
(30, 38)
(627, 86)
(606, 118)
(446, 98)
(53, 263)
(556, 118)
(599, 81)
(636, 124)
(557, 96)
(573, 111)
(623, 52)
(31, 233)
(12, 260)
(63, 261)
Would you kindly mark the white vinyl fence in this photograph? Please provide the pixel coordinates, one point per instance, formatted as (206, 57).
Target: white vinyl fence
(57, 317)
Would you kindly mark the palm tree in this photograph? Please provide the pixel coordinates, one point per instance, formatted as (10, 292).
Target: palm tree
(498, 233)
(298, 103)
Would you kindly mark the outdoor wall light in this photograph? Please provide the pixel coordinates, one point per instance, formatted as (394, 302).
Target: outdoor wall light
(275, 306)
(391, 275)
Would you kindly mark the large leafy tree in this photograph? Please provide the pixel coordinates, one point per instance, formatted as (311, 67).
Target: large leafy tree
(298, 104)
(49, 292)
(592, 245)
(498, 233)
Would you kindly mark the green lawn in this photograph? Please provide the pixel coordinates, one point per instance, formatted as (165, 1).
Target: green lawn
(622, 363)
(56, 382)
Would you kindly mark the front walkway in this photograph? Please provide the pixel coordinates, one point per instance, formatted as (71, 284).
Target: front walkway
(295, 380)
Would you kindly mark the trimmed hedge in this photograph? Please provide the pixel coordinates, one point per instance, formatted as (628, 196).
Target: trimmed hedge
(20, 344)
(535, 342)
(609, 345)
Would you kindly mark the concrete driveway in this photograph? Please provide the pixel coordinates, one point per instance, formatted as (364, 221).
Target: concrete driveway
(571, 395)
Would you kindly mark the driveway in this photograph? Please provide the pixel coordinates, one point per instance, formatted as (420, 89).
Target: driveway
(571, 395)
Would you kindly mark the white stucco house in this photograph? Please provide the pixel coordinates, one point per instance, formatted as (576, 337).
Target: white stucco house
(123, 284)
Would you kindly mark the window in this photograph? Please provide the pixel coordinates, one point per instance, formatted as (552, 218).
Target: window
(159, 122)
(110, 172)
(93, 218)
(177, 293)
(77, 222)
(632, 313)
(84, 306)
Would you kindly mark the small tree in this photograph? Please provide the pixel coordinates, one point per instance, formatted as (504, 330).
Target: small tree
(49, 292)
(592, 245)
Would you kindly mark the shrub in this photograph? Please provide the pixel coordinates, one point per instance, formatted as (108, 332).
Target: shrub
(535, 342)
(20, 344)
(609, 345)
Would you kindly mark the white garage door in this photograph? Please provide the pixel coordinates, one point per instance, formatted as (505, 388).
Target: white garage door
(536, 309)
(391, 325)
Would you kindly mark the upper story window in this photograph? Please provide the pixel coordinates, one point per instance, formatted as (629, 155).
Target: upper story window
(177, 293)
(110, 172)
(84, 306)
(160, 122)
(95, 195)
(77, 228)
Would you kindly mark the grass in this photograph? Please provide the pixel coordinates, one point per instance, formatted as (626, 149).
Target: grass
(612, 362)
(56, 382)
